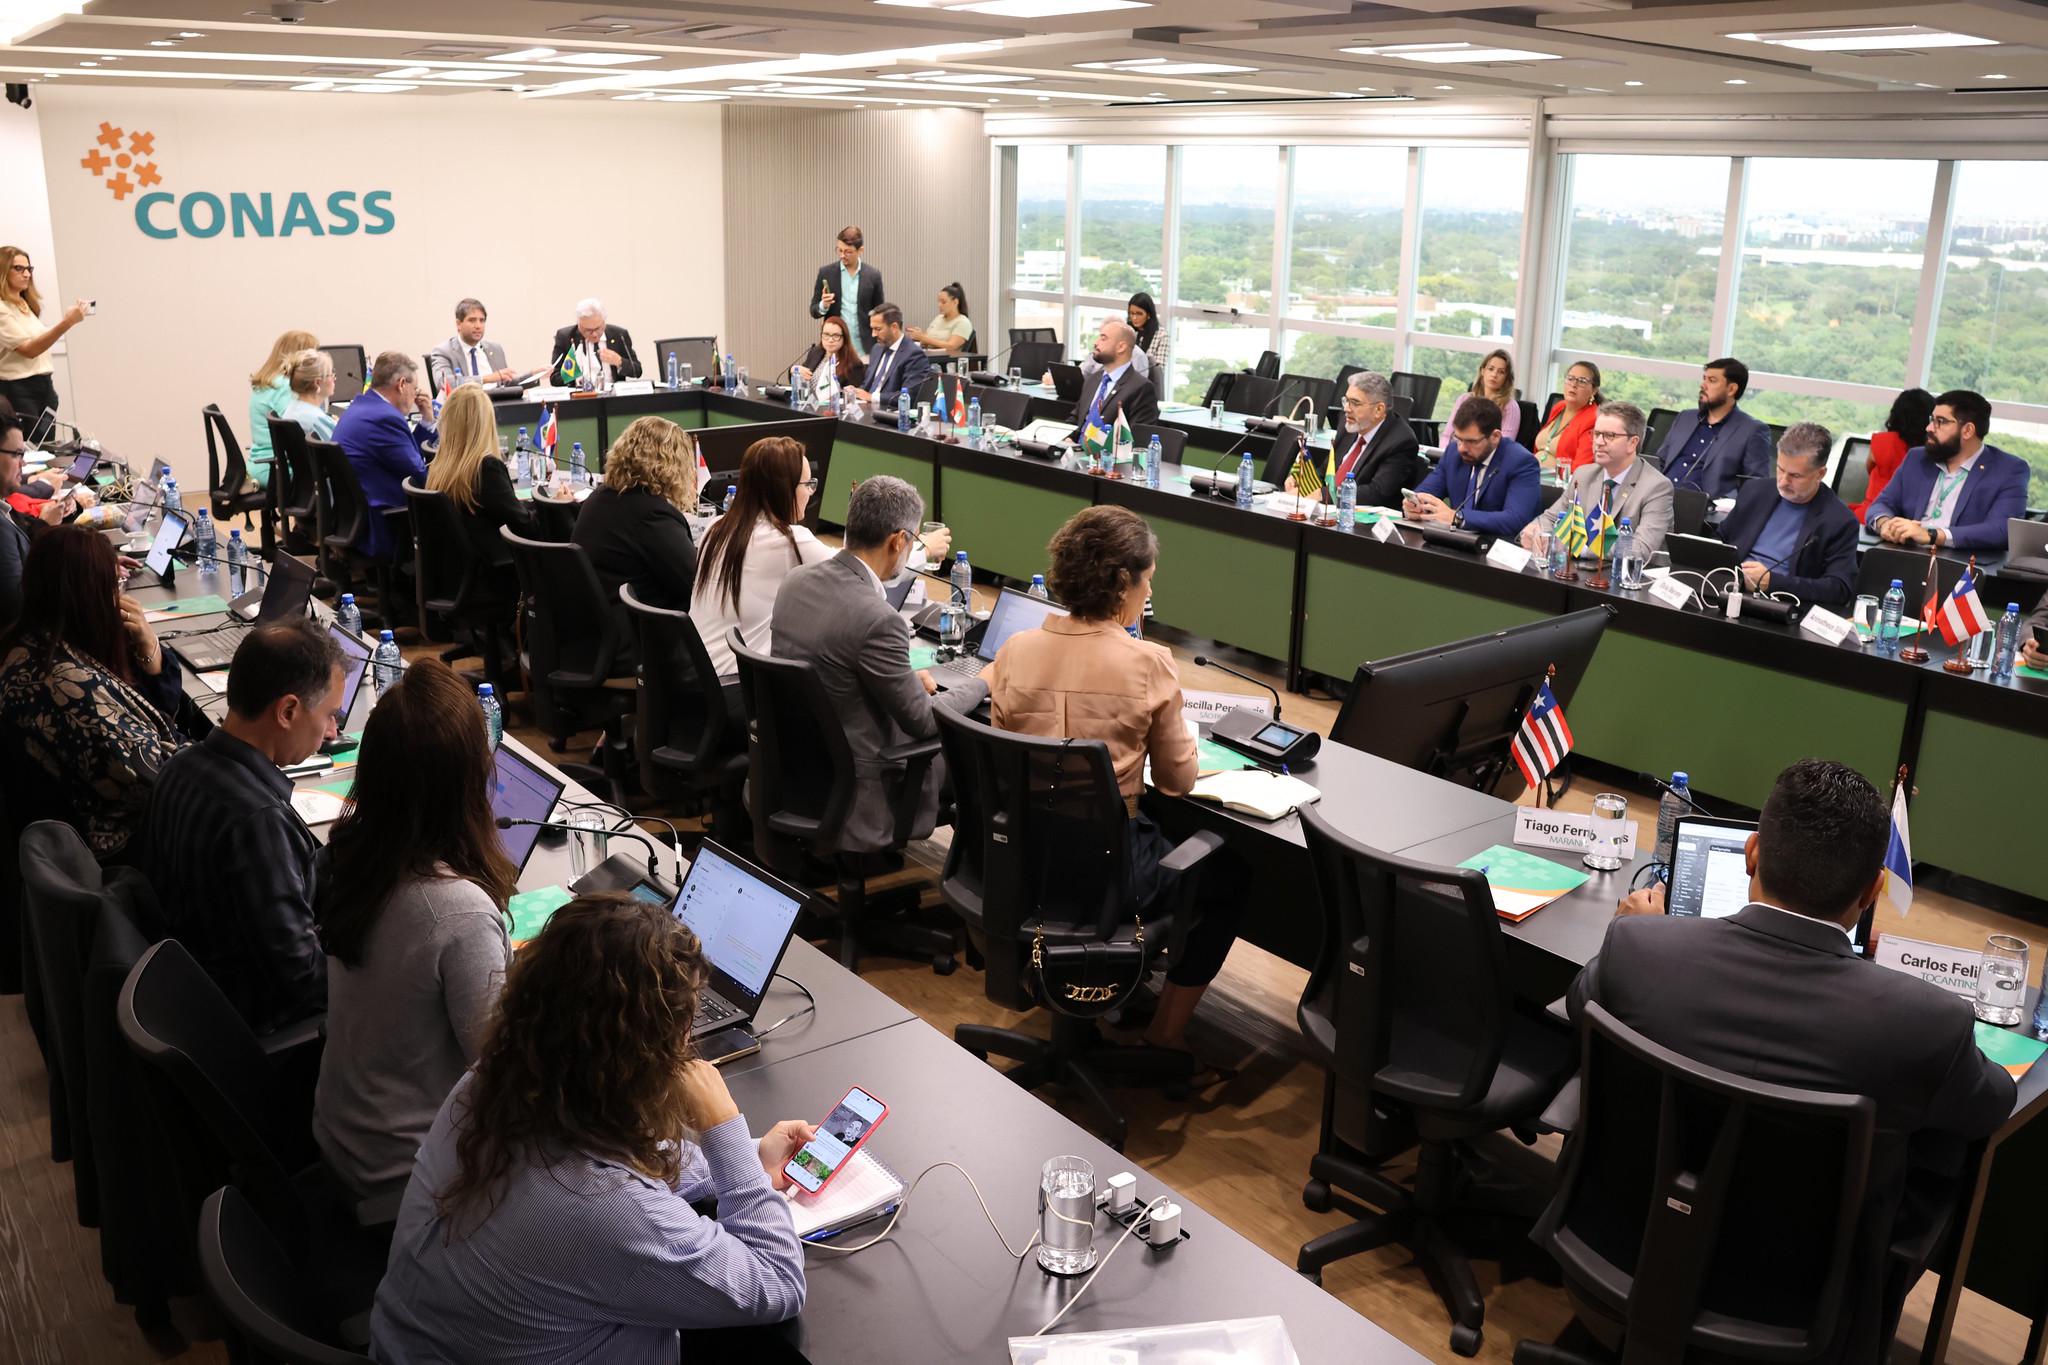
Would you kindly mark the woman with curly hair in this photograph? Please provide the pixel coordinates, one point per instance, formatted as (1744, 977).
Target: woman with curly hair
(633, 528)
(549, 1215)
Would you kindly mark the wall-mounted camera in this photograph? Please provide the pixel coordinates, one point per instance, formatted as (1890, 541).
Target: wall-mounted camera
(18, 94)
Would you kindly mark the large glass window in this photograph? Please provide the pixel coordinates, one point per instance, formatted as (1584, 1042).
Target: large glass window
(1456, 368)
(1123, 220)
(1226, 226)
(1644, 255)
(1831, 255)
(1041, 219)
(1470, 241)
(1344, 240)
(1039, 313)
(1203, 349)
(1320, 356)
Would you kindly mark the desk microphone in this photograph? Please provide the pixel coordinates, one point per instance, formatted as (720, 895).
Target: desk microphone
(653, 861)
(1204, 661)
(777, 391)
(992, 377)
(1686, 797)
(1216, 489)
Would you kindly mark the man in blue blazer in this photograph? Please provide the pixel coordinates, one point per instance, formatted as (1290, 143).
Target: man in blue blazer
(1794, 534)
(896, 362)
(1709, 447)
(384, 451)
(1955, 492)
(1493, 486)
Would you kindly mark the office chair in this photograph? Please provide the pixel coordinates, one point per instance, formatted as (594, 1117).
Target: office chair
(1402, 406)
(1689, 511)
(455, 581)
(1851, 480)
(1658, 426)
(1251, 395)
(1220, 385)
(229, 492)
(1702, 1213)
(1777, 430)
(1005, 407)
(800, 790)
(262, 1293)
(1033, 358)
(1422, 390)
(683, 725)
(1409, 1005)
(1173, 441)
(294, 487)
(572, 639)
(1549, 405)
(345, 514)
(1268, 366)
(1021, 335)
(1429, 433)
(1882, 563)
(1531, 419)
(1320, 393)
(1040, 854)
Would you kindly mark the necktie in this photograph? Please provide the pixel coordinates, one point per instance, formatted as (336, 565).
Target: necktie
(1607, 497)
(882, 369)
(1101, 397)
(472, 361)
(1351, 460)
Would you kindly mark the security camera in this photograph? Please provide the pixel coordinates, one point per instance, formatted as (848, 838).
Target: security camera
(288, 11)
(18, 94)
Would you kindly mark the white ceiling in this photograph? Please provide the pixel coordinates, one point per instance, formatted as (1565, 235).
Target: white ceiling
(828, 54)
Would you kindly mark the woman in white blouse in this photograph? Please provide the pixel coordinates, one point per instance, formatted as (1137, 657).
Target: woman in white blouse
(752, 548)
(951, 330)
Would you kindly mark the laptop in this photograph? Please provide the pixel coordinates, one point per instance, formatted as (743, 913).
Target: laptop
(1710, 875)
(1014, 611)
(1701, 554)
(1066, 381)
(521, 790)
(355, 666)
(744, 918)
(282, 594)
(2026, 545)
(170, 533)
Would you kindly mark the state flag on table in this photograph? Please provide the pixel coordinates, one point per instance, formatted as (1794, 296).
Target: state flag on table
(1544, 739)
(1898, 856)
(1571, 529)
(958, 412)
(1962, 615)
(1600, 537)
(1307, 482)
(545, 435)
(1120, 437)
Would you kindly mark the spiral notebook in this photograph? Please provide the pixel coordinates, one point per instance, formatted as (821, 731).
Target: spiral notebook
(866, 1189)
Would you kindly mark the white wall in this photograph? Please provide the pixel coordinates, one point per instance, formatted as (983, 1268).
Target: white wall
(545, 202)
(25, 217)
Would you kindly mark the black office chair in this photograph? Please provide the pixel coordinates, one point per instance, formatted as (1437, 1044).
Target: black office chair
(1657, 428)
(229, 491)
(685, 738)
(1320, 394)
(1005, 407)
(1252, 395)
(1851, 480)
(1173, 441)
(1549, 405)
(1427, 432)
(345, 514)
(1531, 419)
(1689, 510)
(1702, 1214)
(1402, 406)
(1220, 385)
(1040, 859)
(1021, 335)
(1409, 1005)
(800, 789)
(1882, 563)
(261, 1291)
(572, 643)
(1777, 430)
(294, 487)
(1268, 366)
(1031, 359)
(1421, 389)
(457, 582)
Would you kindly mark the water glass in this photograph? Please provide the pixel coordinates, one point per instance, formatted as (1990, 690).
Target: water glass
(1866, 614)
(1066, 1216)
(587, 842)
(1016, 378)
(2002, 982)
(1216, 413)
(1539, 554)
(1610, 827)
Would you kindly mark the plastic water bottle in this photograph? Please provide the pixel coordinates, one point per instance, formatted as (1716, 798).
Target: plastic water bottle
(522, 460)
(238, 564)
(732, 374)
(732, 491)
(903, 409)
(1244, 482)
(578, 469)
(1888, 619)
(169, 490)
(974, 422)
(494, 713)
(674, 374)
(1347, 503)
(796, 392)
(348, 615)
(1628, 565)
(2041, 1016)
(2008, 648)
(206, 544)
(386, 663)
(1670, 806)
(1037, 588)
(1155, 455)
(963, 583)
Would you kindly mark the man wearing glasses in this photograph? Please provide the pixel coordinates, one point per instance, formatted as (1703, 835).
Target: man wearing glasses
(1493, 486)
(1616, 484)
(1795, 536)
(1717, 443)
(382, 447)
(1377, 446)
(1955, 492)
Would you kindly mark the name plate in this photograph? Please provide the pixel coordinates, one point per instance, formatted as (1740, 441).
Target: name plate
(1206, 708)
(1823, 624)
(1384, 530)
(1671, 592)
(549, 393)
(628, 388)
(1537, 828)
(1505, 554)
(1953, 969)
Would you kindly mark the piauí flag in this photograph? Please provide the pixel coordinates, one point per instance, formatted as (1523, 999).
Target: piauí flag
(1571, 529)
(1601, 536)
(571, 369)
(1898, 856)
(546, 432)
(1962, 615)
(1307, 482)
(1544, 739)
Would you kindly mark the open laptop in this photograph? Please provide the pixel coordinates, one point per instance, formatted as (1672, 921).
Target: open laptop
(282, 594)
(521, 790)
(2026, 545)
(1709, 872)
(744, 918)
(1014, 611)
(355, 666)
(1701, 554)
(1066, 381)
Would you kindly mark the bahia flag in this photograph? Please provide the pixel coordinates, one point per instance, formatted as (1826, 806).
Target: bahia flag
(1544, 739)
(1898, 856)
(1962, 615)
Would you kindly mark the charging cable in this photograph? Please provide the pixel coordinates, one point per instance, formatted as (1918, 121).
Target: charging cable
(809, 1008)
(1144, 1220)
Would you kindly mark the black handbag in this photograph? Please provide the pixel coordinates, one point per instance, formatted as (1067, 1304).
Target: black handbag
(1086, 980)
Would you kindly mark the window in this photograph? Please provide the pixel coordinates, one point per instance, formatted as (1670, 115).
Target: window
(1226, 226)
(1203, 349)
(1841, 417)
(1470, 242)
(1344, 240)
(1643, 258)
(1321, 356)
(1123, 220)
(1457, 369)
(1830, 272)
(1993, 330)
(1647, 391)
(1040, 313)
(1041, 262)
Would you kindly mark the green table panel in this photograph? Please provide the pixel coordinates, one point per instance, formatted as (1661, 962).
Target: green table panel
(1978, 806)
(854, 460)
(1003, 526)
(1213, 584)
(736, 419)
(1732, 727)
(1351, 613)
(687, 415)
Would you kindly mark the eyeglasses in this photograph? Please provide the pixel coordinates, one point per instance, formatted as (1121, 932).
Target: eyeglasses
(811, 484)
(23, 269)
(1571, 379)
(1599, 436)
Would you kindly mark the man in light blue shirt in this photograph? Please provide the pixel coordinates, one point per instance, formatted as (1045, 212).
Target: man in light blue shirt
(849, 287)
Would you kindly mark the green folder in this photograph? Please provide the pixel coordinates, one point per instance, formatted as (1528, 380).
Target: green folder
(1522, 882)
(2013, 1051)
(192, 606)
(531, 909)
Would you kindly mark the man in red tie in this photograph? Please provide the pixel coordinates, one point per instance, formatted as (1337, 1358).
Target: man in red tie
(1377, 446)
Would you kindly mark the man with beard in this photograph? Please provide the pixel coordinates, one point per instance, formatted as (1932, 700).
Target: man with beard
(1119, 386)
(1378, 446)
(1955, 492)
(1711, 446)
(1795, 535)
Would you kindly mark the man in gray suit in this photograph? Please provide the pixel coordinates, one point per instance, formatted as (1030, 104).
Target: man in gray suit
(467, 356)
(833, 615)
(1617, 482)
(1709, 447)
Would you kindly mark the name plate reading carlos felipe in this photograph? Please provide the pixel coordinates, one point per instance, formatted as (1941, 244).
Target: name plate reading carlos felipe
(1536, 828)
(1953, 969)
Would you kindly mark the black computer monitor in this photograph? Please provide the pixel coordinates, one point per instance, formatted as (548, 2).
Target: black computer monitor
(1453, 710)
(351, 366)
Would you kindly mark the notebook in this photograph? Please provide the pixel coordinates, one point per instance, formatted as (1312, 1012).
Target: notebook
(865, 1189)
(1255, 791)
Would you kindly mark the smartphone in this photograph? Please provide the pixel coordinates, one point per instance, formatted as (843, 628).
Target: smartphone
(849, 1125)
(92, 306)
(2041, 637)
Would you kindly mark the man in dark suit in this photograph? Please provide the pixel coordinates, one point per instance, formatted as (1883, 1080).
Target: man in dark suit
(382, 447)
(849, 288)
(895, 364)
(1119, 387)
(1955, 492)
(1493, 486)
(1378, 446)
(1709, 447)
(1776, 993)
(834, 615)
(600, 347)
(1795, 535)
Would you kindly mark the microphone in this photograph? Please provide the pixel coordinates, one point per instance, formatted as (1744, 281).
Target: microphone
(1204, 661)
(992, 377)
(1686, 797)
(252, 564)
(653, 862)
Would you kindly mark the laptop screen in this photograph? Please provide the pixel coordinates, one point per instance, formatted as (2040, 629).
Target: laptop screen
(168, 534)
(742, 916)
(1015, 611)
(1709, 877)
(287, 589)
(520, 791)
(355, 662)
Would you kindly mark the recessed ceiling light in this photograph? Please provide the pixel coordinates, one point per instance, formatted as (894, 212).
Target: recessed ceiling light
(1021, 9)
(1219, 92)
(1631, 82)
(189, 34)
(1162, 66)
(603, 58)
(524, 54)
(376, 87)
(1996, 76)
(1444, 87)
(88, 63)
(991, 100)
(403, 73)
(163, 42)
(1442, 53)
(315, 85)
(1890, 38)
(1737, 81)
(970, 78)
(1367, 89)
(1045, 99)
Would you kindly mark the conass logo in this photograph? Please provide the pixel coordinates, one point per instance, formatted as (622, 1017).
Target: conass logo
(201, 213)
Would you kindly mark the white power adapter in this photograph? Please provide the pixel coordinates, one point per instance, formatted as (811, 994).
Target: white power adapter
(1164, 1228)
(1121, 1193)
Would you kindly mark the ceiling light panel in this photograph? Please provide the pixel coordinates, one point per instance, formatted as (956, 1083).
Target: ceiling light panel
(1163, 66)
(1893, 38)
(1451, 53)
